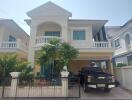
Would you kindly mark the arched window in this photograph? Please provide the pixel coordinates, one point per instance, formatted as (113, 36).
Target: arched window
(127, 39)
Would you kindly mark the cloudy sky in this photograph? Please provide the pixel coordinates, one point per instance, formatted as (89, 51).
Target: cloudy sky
(116, 11)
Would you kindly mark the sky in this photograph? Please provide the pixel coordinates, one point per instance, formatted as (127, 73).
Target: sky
(117, 12)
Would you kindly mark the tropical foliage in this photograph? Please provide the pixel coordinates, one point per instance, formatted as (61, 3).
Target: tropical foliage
(56, 54)
(121, 64)
(10, 63)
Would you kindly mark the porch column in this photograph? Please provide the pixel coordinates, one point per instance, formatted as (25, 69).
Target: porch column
(65, 33)
(111, 67)
(31, 52)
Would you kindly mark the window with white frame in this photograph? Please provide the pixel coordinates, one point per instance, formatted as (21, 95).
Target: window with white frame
(79, 35)
(12, 38)
(117, 43)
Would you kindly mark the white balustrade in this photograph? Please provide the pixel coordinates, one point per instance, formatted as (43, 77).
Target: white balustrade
(8, 44)
(101, 45)
(45, 39)
(14, 45)
(40, 40)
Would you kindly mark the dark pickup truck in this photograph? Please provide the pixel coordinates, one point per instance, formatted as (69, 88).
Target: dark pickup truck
(94, 77)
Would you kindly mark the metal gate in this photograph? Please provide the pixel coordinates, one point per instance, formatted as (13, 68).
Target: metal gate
(39, 87)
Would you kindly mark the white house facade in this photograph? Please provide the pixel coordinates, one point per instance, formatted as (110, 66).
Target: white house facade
(88, 36)
(13, 39)
(121, 40)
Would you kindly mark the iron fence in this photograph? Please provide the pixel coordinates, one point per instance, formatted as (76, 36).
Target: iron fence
(39, 87)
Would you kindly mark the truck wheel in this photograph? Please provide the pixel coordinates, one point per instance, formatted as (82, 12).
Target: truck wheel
(107, 90)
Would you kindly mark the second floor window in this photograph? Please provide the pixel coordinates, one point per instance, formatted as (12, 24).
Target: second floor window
(52, 33)
(117, 43)
(78, 35)
(12, 38)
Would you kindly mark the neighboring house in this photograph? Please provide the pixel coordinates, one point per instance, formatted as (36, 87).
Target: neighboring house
(13, 39)
(88, 36)
(121, 40)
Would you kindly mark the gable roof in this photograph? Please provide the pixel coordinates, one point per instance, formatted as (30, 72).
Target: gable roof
(49, 8)
(11, 24)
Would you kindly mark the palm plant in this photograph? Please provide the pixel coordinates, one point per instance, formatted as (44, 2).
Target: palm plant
(48, 54)
(10, 63)
(63, 53)
(7, 65)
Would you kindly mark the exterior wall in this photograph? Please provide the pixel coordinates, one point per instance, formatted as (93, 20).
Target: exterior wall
(120, 32)
(88, 36)
(122, 48)
(1, 33)
(8, 31)
(76, 65)
(48, 26)
(123, 75)
(19, 47)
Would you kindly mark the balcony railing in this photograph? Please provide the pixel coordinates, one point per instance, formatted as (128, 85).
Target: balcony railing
(45, 39)
(8, 45)
(101, 45)
(41, 40)
(14, 45)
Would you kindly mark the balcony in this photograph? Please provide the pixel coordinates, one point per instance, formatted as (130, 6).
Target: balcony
(101, 45)
(13, 46)
(41, 40)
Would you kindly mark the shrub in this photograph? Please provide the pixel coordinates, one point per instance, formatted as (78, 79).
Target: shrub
(121, 64)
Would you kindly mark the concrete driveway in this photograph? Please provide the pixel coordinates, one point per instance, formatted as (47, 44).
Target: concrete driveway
(116, 93)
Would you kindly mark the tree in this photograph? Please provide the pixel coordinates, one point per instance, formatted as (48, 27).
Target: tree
(10, 63)
(67, 53)
(48, 54)
(63, 53)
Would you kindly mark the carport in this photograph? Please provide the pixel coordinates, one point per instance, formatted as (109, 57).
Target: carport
(102, 60)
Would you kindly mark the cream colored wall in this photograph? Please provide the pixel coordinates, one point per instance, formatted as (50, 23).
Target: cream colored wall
(71, 27)
(81, 43)
(123, 75)
(8, 31)
(47, 27)
(1, 33)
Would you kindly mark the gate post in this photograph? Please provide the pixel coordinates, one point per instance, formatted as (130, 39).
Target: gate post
(64, 79)
(14, 82)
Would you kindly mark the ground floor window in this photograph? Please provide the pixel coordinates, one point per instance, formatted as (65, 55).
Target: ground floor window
(129, 58)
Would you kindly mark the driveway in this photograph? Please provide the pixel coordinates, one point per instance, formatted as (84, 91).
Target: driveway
(116, 93)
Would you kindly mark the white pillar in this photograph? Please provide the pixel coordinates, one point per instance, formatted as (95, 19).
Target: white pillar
(65, 33)
(19, 43)
(31, 52)
(64, 79)
(14, 82)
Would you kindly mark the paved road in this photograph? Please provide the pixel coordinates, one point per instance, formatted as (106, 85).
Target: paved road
(116, 94)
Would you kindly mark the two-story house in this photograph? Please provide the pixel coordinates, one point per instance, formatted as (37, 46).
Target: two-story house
(13, 39)
(88, 36)
(121, 40)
